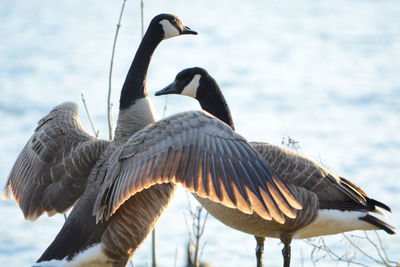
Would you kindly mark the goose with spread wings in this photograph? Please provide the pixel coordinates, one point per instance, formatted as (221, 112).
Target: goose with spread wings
(120, 188)
(331, 204)
(61, 165)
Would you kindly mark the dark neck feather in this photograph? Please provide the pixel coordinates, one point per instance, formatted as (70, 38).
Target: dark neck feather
(135, 83)
(212, 100)
(79, 232)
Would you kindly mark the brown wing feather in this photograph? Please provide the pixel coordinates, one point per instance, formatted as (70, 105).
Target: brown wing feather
(51, 171)
(205, 156)
(332, 191)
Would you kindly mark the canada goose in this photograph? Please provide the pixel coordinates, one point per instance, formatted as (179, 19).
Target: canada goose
(120, 188)
(52, 171)
(331, 204)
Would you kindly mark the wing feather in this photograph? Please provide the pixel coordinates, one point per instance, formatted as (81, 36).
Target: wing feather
(51, 171)
(333, 192)
(206, 157)
(228, 185)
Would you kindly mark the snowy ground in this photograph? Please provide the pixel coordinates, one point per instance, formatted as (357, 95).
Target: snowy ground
(323, 72)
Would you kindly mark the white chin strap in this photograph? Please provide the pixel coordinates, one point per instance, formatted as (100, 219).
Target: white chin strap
(169, 29)
(191, 88)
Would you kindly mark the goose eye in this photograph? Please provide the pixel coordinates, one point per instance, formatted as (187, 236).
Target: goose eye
(186, 79)
(181, 78)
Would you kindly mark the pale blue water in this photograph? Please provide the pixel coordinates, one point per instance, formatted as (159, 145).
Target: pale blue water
(323, 72)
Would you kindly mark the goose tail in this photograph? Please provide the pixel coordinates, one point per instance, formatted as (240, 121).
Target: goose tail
(379, 223)
(379, 204)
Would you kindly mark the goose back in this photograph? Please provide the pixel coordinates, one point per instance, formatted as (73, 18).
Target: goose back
(332, 191)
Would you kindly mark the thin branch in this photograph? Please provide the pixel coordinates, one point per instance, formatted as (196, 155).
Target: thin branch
(202, 249)
(198, 223)
(360, 250)
(302, 257)
(197, 233)
(153, 248)
(153, 233)
(165, 106)
(383, 250)
(175, 257)
(329, 253)
(375, 246)
(109, 105)
(142, 15)
(96, 133)
(204, 224)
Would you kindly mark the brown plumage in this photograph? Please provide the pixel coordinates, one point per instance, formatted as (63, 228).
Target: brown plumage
(62, 165)
(55, 161)
(206, 157)
(331, 204)
(127, 183)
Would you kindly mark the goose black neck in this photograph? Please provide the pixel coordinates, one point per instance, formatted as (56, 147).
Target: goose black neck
(79, 232)
(212, 100)
(134, 86)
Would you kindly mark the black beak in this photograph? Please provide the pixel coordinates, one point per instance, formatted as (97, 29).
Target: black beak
(187, 30)
(170, 89)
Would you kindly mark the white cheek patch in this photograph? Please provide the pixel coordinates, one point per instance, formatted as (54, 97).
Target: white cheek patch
(191, 88)
(169, 29)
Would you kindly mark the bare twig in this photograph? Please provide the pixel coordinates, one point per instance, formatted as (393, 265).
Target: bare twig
(153, 248)
(380, 245)
(359, 249)
(175, 257)
(291, 143)
(202, 248)
(384, 261)
(382, 248)
(198, 223)
(153, 233)
(350, 254)
(109, 105)
(165, 106)
(330, 253)
(96, 133)
(142, 15)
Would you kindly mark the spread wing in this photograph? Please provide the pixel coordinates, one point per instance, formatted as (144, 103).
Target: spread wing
(51, 171)
(205, 156)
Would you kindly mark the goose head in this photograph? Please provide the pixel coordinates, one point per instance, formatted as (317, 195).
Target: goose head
(198, 84)
(189, 82)
(170, 26)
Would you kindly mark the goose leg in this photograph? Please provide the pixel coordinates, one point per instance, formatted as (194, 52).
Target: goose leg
(259, 250)
(286, 255)
(286, 251)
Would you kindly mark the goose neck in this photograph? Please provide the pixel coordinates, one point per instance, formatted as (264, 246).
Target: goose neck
(134, 86)
(214, 102)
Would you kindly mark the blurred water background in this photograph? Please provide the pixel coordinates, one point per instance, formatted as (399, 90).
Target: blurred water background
(325, 73)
